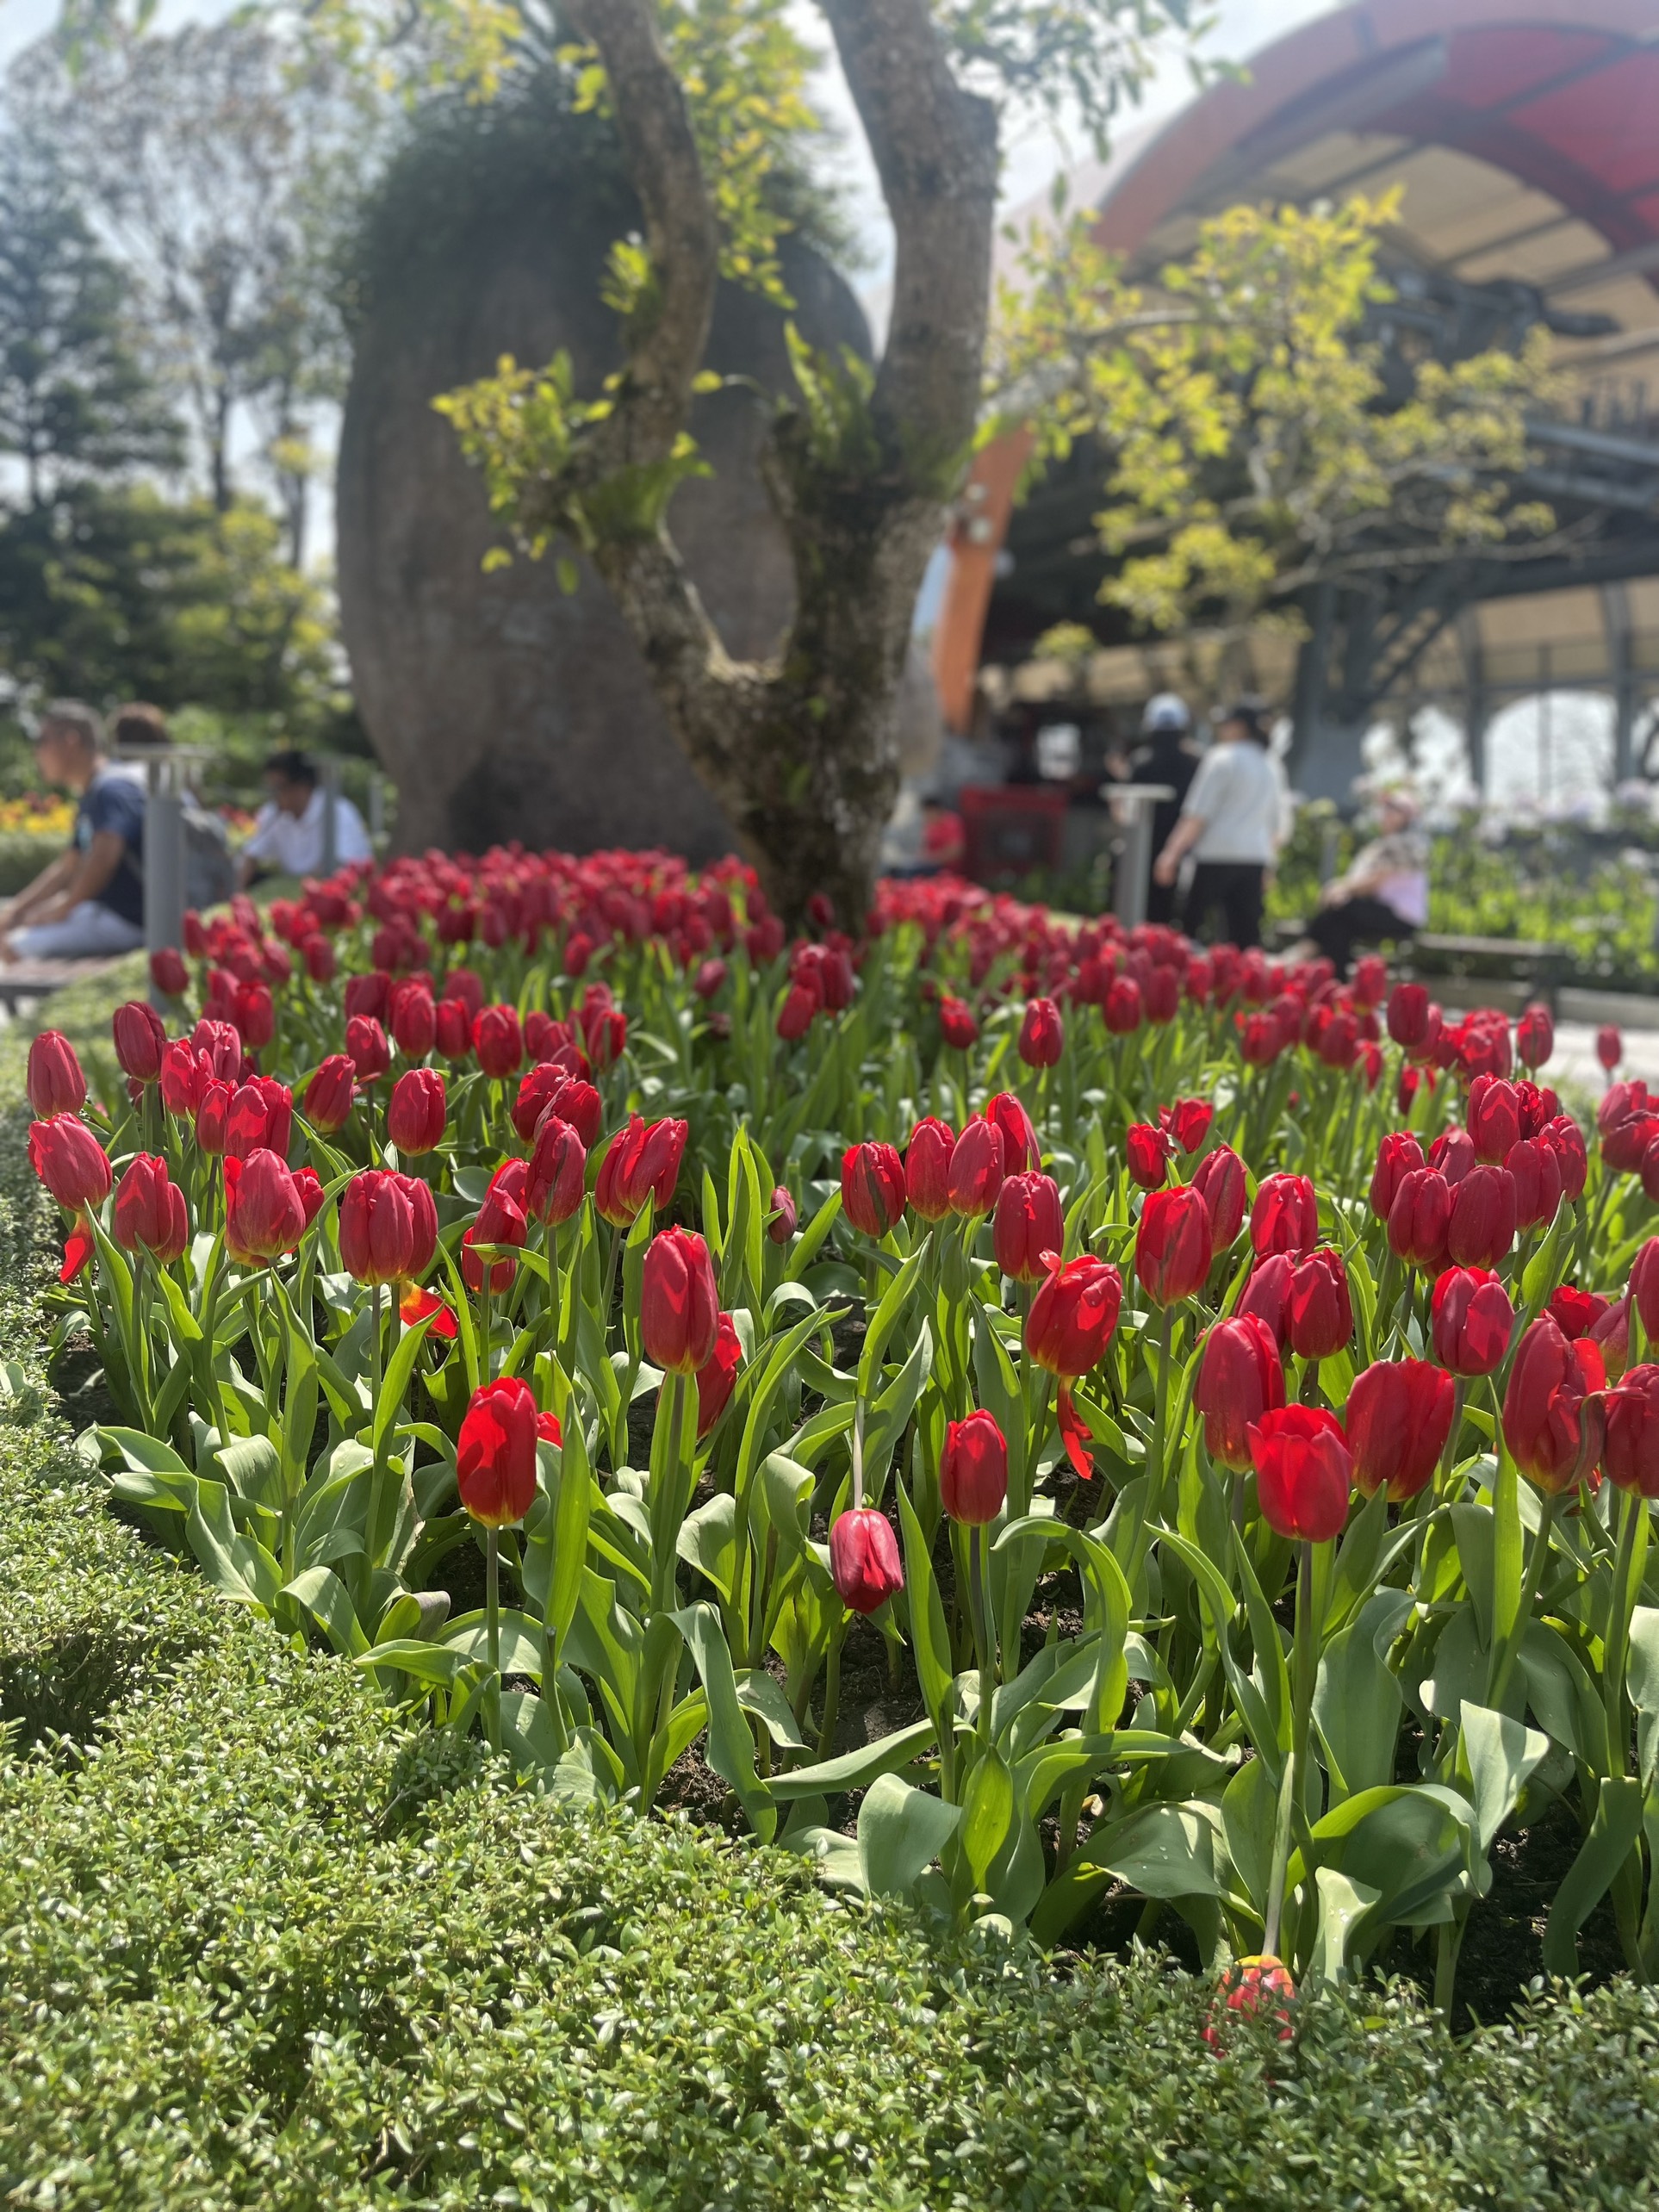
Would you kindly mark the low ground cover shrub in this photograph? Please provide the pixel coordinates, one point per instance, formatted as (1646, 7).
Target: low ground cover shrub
(1231, 1414)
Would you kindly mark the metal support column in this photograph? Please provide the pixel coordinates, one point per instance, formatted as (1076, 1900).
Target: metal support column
(331, 839)
(164, 863)
(1131, 810)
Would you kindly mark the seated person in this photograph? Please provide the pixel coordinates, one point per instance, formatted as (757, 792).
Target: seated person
(1384, 895)
(288, 834)
(90, 899)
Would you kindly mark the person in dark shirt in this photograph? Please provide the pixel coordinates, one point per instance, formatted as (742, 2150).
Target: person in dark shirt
(90, 899)
(1166, 755)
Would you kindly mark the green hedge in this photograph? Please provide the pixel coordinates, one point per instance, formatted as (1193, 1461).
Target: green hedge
(259, 1948)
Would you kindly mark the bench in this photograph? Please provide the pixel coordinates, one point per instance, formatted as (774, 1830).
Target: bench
(22, 982)
(1523, 969)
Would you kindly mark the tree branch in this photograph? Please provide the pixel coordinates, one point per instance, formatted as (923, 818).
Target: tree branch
(680, 233)
(934, 148)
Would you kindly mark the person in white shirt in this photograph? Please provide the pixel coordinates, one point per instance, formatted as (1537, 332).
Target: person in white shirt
(1232, 823)
(287, 834)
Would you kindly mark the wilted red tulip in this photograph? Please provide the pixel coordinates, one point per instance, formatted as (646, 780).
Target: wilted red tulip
(70, 1161)
(1304, 1472)
(1259, 1983)
(1285, 1216)
(150, 1210)
(1172, 1246)
(417, 1305)
(1397, 1155)
(1397, 1419)
(53, 1079)
(1534, 1167)
(416, 1112)
(1535, 1036)
(1493, 1118)
(642, 1161)
(1630, 1455)
(1021, 1151)
(264, 1214)
(1146, 1155)
(973, 1469)
(1219, 1179)
(1609, 1047)
(383, 1228)
(678, 1305)
(978, 1164)
(329, 1095)
(864, 1559)
(140, 1039)
(1553, 1418)
(1481, 1226)
(957, 1027)
(556, 1180)
(781, 1225)
(1073, 1314)
(716, 1378)
(872, 1187)
(927, 1168)
(1028, 1223)
(366, 1042)
(1470, 1321)
(1239, 1379)
(169, 973)
(1042, 1034)
(1408, 1015)
(495, 1453)
(1318, 1316)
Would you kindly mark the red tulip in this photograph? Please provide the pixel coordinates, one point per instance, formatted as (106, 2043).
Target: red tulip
(498, 1040)
(1219, 1179)
(1610, 1335)
(1534, 1168)
(1285, 1216)
(927, 1168)
(1397, 1155)
(1028, 1223)
(369, 996)
(1189, 1121)
(416, 1112)
(53, 1079)
(495, 1453)
(264, 1214)
(872, 1187)
(319, 957)
(452, 1030)
(330, 1093)
(1259, 1983)
(678, 1305)
(1267, 1295)
(388, 1226)
(1371, 980)
(1535, 1036)
(1452, 1154)
(1172, 1246)
(1318, 1317)
(558, 1169)
(781, 1225)
(864, 1559)
(1630, 1455)
(1042, 1034)
(1481, 1226)
(716, 1378)
(973, 1470)
(957, 1027)
(978, 1164)
(1470, 1321)
(70, 1161)
(1146, 1154)
(259, 1118)
(169, 973)
(1419, 1219)
(414, 1019)
(1493, 1118)
(213, 1116)
(417, 1305)
(1021, 1151)
(604, 1031)
(366, 1041)
(536, 1089)
(1304, 1471)
(1239, 1379)
(1073, 1314)
(1397, 1418)
(256, 1015)
(1408, 1015)
(802, 1004)
(140, 1040)
(1122, 1009)
(1644, 1286)
(150, 1210)
(642, 1161)
(1566, 1139)
(1609, 1047)
(499, 1222)
(1553, 1416)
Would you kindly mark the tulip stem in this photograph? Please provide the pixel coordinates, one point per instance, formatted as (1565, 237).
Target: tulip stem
(832, 1688)
(377, 1359)
(492, 1629)
(1632, 1513)
(1504, 1657)
(978, 1570)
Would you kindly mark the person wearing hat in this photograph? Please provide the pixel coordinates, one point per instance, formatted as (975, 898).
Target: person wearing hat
(1384, 897)
(1232, 823)
(1164, 755)
(90, 899)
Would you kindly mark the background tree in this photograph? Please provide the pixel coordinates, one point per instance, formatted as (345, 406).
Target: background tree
(76, 394)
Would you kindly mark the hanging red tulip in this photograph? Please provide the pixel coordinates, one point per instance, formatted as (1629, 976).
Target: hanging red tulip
(973, 1469)
(1397, 1419)
(495, 1453)
(1304, 1472)
(864, 1561)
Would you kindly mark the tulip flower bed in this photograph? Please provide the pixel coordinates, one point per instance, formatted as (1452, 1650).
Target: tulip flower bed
(1223, 1393)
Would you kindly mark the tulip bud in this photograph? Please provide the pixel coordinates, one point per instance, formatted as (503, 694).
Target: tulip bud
(329, 1095)
(1534, 1168)
(1371, 980)
(169, 973)
(872, 1187)
(927, 1168)
(1553, 1418)
(1042, 1034)
(1219, 1179)
(150, 1210)
(678, 1305)
(1630, 1455)
(53, 1079)
(1609, 1047)
(1073, 1314)
(377, 1227)
(973, 1470)
(1172, 1246)
(70, 1162)
(1028, 1223)
(319, 957)
(1396, 1156)
(781, 1225)
(864, 1559)
(1285, 1216)
(1304, 1472)
(1021, 1151)
(1146, 1154)
(500, 1220)
(957, 1027)
(1481, 1226)
(1397, 1419)
(495, 1453)
(1408, 1015)
(1419, 1219)
(1239, 1379)
(1535, 1036)
(256, 1015)
(978, 1164)
(1452, 1154)
(264, 1214)
(259, 1118)
(416, 1112)
(140, 1039)
(1493, 1118)
(1470, 1321)
(1267, 1295)
(1123, 1007)
(1610, 1335)
(1644, 1286)
(556, 1180)
(414, 1019)
(1189, 1121)
(366, 1041)
(1318, 1317)
(452, 1030)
